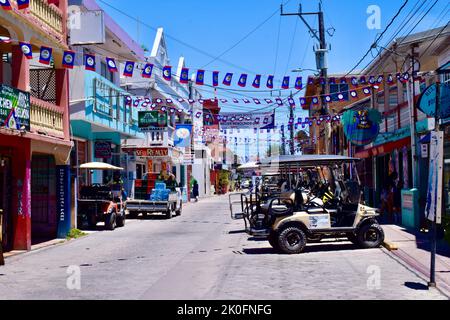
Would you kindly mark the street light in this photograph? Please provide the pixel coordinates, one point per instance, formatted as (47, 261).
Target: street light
(301, 70)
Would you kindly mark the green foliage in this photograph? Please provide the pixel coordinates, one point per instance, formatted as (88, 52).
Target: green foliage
(75, 234)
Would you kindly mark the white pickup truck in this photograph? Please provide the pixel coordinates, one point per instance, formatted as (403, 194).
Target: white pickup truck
(173, 206)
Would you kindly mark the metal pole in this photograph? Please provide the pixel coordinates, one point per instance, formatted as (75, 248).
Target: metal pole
(411, 97)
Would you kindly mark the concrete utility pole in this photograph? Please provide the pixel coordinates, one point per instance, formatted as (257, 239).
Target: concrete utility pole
(320, 60)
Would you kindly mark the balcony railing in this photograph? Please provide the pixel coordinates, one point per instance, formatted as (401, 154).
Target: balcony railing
(48, 14)
(46, 118)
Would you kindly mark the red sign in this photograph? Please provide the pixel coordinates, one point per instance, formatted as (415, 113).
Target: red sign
(152, 152)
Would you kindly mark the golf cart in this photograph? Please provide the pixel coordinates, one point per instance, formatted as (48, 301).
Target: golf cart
(307, 199)
(99, 202)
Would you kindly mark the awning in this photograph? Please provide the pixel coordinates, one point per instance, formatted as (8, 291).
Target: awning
(100, 166)
(383, 149)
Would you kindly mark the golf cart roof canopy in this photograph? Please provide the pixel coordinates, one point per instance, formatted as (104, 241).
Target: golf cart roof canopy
(249, 166)
(306, 161)
(100, 166)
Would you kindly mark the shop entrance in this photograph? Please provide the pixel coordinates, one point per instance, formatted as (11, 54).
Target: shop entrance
(5, 204)
(43, 198)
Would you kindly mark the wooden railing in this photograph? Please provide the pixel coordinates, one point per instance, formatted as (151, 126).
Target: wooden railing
(48, 14)
(46, 118)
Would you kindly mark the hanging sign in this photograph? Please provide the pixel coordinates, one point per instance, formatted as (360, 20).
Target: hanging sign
(433, 208)
(183, 133)
(152, 120)
(361, 127)
(14, 108)
(103, 149)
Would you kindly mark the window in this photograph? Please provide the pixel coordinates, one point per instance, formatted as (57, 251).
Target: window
(339, 88)
(105, 73)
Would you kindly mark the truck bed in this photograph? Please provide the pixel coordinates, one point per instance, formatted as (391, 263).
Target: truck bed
(147, 205)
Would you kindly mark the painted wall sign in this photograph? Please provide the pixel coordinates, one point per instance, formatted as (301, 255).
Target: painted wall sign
(152, 120)
(103, 149)
(361, 127)
(14, 108)
(63, 204)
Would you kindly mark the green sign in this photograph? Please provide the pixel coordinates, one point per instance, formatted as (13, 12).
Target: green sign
(361, 127)
(152, 120)
(14, 108)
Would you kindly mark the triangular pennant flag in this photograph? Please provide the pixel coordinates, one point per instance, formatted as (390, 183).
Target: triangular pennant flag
(26, 50)
(68, 60)
(46, 55)
(227, 79)
(111, 64)
(257, 82)
(128, 70)
(380, 79)
(298, 83)
(215, 78)
(285, 84)
(184, 76)
(22, 4)
(270, 82)
(5, 4)
(148, 70)
(89, 62)
(200, 79)
(167, 73)
(243, 80)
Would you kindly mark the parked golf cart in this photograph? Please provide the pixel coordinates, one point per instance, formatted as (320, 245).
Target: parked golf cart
(100, 202)
(316, 197)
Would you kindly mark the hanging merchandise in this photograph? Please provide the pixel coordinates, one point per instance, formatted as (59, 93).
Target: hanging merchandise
(148, 70)
(128, 70)
(45, 56)
(89, 62)
(167, 73)
(68, 59)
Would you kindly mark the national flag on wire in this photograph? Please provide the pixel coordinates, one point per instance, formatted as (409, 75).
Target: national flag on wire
(45, 55)
(184, 76)
(128, 70)
(215, 78)
(68, 60)
(200, 79)
(5, 4)
(285, 84)
(148, 70)
(270, 82)
(89, 62)
(227, 79)
(299, 83)
(26, 50)
(243, 80)
(257, 82)
(111, 64)
(167, 73)
(22, 4)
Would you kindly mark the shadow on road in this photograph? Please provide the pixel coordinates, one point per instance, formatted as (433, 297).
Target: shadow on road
(236, 232)
(416, 286)
(308, 249)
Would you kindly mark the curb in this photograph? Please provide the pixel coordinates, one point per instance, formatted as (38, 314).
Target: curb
(390, 246)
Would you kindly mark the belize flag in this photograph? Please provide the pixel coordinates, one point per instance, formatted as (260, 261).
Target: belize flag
(68, 60)
(147, 72)
(22, 4)
(215, 78)
(243, 80)
(257, 82)
(26, 49)
(167, 73)
(200, 79)
(6, 5)
(128, 70)
(111, 63)
(89, 62)
(343, 80)
(270, 82)
(298, 83)
(285, 84)
(227, 79)
(45, 56)
(184, 76)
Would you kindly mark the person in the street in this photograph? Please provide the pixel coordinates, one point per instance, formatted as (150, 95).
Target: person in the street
(388, 197)
(195, 191)
(171, 182)
(398, 202)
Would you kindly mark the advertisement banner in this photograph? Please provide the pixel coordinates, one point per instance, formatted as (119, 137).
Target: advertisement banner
(248, 120)
(14, 108)
(183, 134)
(63, 195)
(433, 209)
(103, 149)
(152, 120)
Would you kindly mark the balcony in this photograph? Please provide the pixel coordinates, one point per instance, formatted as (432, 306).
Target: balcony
(47, 14)
(46, 118)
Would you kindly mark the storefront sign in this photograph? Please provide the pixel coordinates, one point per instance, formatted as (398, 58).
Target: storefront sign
(63, 200)
(445, 100)
(103, 149)
(428, 99)
(152, 152)
(14, 108)
(248, 120)
(433, 208)
(361, 127)
(152, 120)
(183, 134)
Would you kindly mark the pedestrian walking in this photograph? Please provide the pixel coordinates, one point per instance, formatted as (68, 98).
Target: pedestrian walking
(195, 191)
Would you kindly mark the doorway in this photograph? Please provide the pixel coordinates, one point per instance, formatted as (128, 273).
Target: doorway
(5, 204)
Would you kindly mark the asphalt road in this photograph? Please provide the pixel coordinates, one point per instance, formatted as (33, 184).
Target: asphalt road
(203, 255)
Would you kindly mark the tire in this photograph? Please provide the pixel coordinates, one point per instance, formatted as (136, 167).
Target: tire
(121, 221)
(178, 212)
(352, 238)
(169, 213)
(292, 240)
(133, 214)
(370, 236)
(273, 241)
(110, 221)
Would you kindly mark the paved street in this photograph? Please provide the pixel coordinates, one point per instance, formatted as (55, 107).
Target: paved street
(203, 255)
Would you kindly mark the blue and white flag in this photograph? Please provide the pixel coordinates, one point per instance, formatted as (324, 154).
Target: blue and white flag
(167, 73)
(200, 79)
(270, 82)
(227, 79)
(46, 55)
(68, 60)
(243, 80)
(257, 82)
(148, 70)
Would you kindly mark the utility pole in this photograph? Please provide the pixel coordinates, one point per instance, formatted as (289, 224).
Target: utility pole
(321, 60)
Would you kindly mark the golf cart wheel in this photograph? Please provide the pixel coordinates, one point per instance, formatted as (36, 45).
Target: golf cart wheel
(121, 221)
(370, 236)
(178, 212)
(273, 241)
(292, 240)
(110, 221)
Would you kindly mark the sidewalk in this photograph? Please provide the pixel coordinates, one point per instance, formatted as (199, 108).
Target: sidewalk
(414, 251)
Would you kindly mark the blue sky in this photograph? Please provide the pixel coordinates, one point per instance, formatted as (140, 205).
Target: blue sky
(215, 26)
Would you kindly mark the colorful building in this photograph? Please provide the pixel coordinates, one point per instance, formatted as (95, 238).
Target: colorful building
(34, 126)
